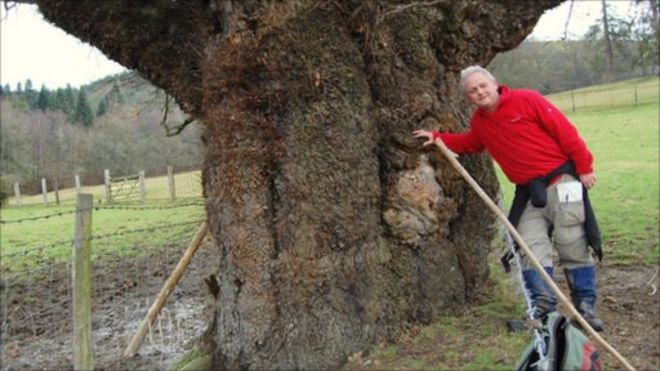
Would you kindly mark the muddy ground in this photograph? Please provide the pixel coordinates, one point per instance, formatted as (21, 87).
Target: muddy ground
(630, 307)
(36, 329)
(36, 312)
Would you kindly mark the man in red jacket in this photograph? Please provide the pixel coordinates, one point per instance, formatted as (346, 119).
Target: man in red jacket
(542, 153)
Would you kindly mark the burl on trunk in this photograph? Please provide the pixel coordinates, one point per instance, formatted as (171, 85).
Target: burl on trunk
(333, 227)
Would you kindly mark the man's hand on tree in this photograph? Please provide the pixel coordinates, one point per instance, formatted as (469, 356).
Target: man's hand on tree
(424, 134)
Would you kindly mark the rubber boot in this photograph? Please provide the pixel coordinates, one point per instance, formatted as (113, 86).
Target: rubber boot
(582, 282)
(543, 299)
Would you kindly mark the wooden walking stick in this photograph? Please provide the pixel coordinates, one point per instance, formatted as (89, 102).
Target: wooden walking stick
(167, 289)
(451, 156)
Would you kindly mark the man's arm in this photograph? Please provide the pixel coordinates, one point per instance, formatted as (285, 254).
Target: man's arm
(460, 143)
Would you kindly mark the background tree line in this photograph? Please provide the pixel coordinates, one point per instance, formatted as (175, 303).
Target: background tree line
(614, 48)
(114, 123)
(72, 102)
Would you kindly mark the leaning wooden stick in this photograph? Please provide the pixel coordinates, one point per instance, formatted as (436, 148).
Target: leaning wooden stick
(169, 285)
(451, 156)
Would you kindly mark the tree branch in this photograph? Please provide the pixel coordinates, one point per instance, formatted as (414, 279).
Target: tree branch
(176, 130)
(401, 8)
(503, 23)
(568, 19)
(163, 40)
(9, 4)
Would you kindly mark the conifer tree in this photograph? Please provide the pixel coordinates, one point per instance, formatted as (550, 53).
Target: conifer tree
(57, 99)
(116, 94)
(83, 114)
(68, 101)
(43, 101)
(102, 108)
(31, 96)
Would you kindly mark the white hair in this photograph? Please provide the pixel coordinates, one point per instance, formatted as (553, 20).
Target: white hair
(471, 70)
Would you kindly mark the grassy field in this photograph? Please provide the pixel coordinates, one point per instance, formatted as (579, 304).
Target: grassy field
(627, 93)
(127, 228)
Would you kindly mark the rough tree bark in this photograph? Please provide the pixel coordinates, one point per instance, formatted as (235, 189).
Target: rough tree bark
(333, 228)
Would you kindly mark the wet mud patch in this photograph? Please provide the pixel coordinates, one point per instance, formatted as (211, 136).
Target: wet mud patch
(37, 327)
(629, 304)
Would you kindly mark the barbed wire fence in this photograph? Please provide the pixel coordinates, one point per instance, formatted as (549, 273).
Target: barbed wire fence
(128, 271)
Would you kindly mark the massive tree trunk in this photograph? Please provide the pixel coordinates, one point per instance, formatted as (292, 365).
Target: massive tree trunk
(333, 227)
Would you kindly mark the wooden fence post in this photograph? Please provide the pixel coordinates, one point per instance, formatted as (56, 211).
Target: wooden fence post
(142, 187)
(572, 101)
(76, 178)
(57, 192)
(81, 278)
(44, 191)
(170, 177)
(17, 193)
(108, 189)
(167, 289)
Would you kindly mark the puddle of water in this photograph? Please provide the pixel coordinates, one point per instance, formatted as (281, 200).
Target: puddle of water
(172, 333)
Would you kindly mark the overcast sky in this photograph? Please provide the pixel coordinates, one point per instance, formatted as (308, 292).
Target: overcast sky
(32, 48)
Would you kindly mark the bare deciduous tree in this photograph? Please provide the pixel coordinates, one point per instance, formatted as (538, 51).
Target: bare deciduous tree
(608, 40)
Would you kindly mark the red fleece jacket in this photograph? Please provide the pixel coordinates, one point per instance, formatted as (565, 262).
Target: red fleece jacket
(526, 135)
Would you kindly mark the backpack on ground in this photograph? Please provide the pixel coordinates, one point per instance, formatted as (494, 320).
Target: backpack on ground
(566, 348)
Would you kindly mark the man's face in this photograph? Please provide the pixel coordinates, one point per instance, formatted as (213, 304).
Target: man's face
(482, 91)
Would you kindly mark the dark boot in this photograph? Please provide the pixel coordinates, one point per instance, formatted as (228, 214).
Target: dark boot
(582, 282)
(543, 299)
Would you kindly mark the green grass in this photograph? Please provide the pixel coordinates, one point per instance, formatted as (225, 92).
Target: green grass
(128, 228)
(627, 93)
(475, 339)
(128, 232)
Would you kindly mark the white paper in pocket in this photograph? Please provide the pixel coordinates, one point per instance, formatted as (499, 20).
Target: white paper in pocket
(569, 191)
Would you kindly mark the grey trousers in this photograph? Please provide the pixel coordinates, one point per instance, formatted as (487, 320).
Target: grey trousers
(569, 237)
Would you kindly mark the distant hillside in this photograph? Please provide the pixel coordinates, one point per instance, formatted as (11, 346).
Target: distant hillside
(137, 91)
(43, 135)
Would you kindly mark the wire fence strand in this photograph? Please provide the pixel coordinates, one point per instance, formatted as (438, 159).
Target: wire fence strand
(34, 218)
